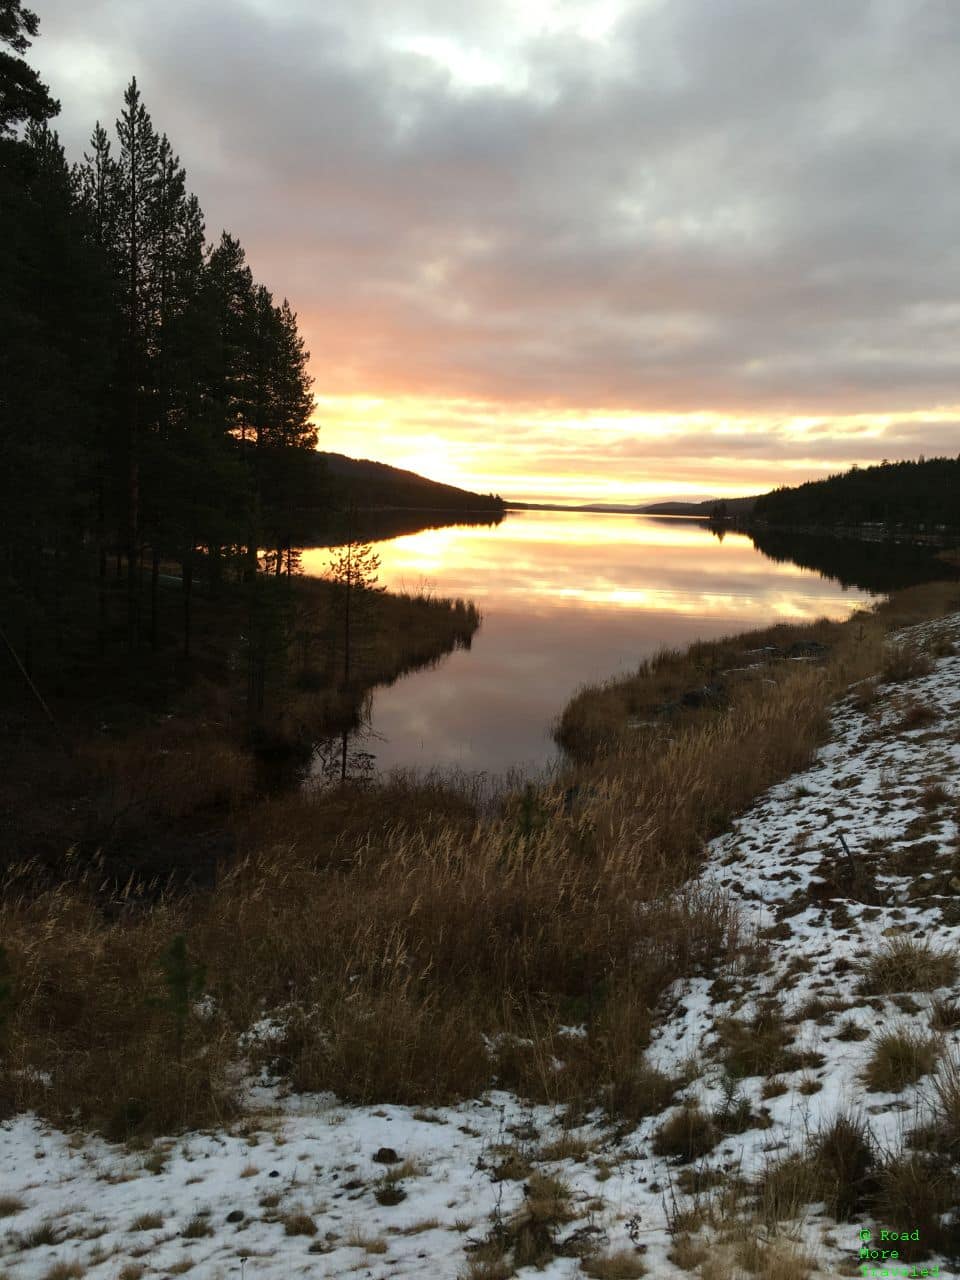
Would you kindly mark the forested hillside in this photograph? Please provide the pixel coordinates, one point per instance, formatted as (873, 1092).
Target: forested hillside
(918, 496)
(375, 484)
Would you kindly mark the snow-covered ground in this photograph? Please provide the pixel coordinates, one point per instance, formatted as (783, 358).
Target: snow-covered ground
(297, 1188)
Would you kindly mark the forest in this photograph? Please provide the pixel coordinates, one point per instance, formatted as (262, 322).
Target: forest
(155, 398)
(921, 496)
(159, 457)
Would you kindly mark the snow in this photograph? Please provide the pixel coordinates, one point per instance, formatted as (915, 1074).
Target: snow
(305, 1154)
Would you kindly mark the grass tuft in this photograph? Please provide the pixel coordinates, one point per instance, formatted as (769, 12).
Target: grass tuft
(901, 964)
(899, 1058)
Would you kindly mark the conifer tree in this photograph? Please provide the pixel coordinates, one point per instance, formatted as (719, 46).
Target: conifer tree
(97, 185)
(137, 189)
(53, 357)
(23, 96)
(184, 982)
(353, 570)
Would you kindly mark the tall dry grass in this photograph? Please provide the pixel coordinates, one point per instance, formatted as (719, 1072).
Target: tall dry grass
(416, 950)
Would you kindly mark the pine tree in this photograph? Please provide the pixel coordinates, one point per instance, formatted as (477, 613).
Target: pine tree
(53, 356)
(353, 570)
(97, 185)
(23, 96)
(184, 982)
(137, 187)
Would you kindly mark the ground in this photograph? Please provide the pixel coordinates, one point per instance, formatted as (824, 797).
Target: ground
(858, 857)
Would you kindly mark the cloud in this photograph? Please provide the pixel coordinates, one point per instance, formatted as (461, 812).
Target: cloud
(741, 206)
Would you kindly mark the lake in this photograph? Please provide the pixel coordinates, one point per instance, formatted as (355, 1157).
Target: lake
(568, 599)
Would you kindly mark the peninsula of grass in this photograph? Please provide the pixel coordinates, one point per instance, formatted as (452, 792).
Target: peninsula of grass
(154, 755)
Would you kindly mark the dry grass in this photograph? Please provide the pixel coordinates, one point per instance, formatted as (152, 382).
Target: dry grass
(898, 1058)
(622, 1265)
(687, 1134)
(759, 1046)
(299, 1224)
(748, 1231)
(921, 1189)
(443, 930)
(917, 715)
(531, 1233)
(357, 1239)
(147, 1222)
(905, 662)
(903, 965)
(844, 1164)
(67, 1271)
(197, 1228)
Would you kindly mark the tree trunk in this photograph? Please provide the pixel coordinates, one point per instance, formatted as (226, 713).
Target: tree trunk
(215, 571)
(187, 600)
(154, 595)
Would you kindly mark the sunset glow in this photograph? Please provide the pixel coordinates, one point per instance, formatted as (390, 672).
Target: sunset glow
(567, 457)
(576, 251)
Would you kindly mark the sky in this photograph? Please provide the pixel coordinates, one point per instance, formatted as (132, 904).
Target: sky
(571, 251)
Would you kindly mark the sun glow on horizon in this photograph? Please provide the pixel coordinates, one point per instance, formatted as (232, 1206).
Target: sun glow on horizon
(605, 455)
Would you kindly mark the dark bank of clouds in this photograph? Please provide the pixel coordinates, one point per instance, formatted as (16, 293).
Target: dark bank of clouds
(749, 206)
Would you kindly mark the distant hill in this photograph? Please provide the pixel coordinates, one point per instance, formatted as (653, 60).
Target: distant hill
(735, 508)
(314, 481)
(703, 509)
(367, 484)
(310, 500)
(922, 495)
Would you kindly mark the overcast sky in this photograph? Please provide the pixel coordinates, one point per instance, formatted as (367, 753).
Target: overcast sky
(584, 249)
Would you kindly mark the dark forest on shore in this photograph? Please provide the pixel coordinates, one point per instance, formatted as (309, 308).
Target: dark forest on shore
(160, 462)
(919, 496)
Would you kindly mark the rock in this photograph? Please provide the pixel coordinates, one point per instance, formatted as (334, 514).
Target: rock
(386, 1155)
(274, 1173)
(236, 1215)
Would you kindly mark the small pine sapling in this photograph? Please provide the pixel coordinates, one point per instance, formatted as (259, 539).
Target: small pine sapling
(184, 982)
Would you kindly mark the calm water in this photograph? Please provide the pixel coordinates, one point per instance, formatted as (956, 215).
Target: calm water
(567, 599)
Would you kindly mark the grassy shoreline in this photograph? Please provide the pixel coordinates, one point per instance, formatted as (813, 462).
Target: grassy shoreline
(157, 756)
(405, 949)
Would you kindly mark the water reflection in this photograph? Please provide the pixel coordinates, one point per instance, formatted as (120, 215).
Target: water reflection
(567, 599)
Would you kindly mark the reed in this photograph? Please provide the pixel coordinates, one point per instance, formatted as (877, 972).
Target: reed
(420, 946)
